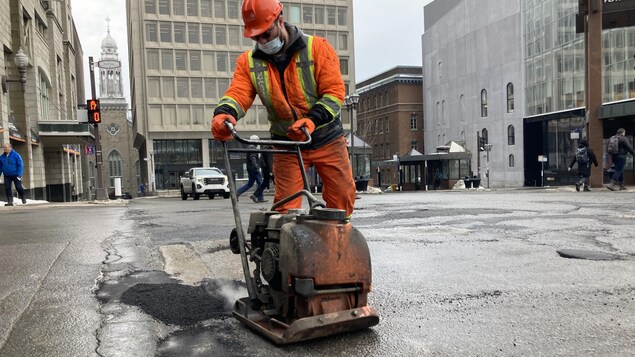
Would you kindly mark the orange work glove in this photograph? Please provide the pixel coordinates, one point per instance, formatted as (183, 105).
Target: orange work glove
(220, 131)
(295, 132)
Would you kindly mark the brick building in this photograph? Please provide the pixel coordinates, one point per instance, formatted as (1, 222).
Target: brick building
(390, 119)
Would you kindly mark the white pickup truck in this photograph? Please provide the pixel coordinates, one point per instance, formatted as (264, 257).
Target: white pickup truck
(208, 181)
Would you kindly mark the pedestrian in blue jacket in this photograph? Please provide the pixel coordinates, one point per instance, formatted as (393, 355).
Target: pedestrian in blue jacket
(11, 167)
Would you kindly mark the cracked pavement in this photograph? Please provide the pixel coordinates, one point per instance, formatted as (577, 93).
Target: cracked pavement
(454, 273)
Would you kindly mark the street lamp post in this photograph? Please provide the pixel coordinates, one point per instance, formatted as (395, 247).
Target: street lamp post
(351, 105)
(22, 62)
(488, 148)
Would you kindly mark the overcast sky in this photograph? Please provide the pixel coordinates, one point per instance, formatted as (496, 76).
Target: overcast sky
(387, 34)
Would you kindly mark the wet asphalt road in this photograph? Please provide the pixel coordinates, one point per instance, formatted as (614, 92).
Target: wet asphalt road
(455, 273)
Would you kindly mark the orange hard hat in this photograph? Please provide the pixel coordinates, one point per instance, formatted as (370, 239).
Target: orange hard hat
(258, 15)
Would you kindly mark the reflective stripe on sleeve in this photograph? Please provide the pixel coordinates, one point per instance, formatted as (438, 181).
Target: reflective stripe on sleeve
(227, 100)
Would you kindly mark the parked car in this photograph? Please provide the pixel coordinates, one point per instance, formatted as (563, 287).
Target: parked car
(208, 181)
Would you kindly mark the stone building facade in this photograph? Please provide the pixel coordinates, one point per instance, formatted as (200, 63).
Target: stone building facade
(39, 116)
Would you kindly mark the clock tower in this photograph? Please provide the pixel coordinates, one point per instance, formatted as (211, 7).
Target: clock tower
(121, 160)
(110, 79)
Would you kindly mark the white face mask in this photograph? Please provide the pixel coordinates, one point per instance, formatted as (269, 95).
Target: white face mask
(272, 47)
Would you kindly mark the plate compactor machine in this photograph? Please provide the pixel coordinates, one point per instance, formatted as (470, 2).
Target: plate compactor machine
(311, 271)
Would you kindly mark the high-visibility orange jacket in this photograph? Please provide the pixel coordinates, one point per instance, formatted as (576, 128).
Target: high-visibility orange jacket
(305, 82)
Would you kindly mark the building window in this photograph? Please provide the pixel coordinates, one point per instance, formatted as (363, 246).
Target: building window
(319, 15)
(221, 37)
(344, 66)
(167, 60)
(330, 15)
(164, 7)
(152, 58)
(181, 60)
(168, 87)
(208, 38)
(192, 7)
(414, 145)
(511, 161)
(193, 33)
(232, 9)
(206, 8)
(178, 7)
(195, 61)
(307, 14)
(443, 112)
(219, 9)
(294, 14)
(151, 32)
(113, 129)
(413, 121)
(45, 89)
(115, 162)
(483, 103)
(510, 98)
(341, 16)
(150, 7)
(438, 114)
(511, 135)
(179, 32)
(165, 30)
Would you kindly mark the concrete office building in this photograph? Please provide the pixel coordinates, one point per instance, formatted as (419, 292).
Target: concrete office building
(39, 116)
(182, 56)
(513, 71)
(472, 67)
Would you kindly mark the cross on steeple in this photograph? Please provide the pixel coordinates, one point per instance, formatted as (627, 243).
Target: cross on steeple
(108, 23)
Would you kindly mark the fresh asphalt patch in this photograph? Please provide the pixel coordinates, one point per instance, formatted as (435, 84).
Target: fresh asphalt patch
(170, 302)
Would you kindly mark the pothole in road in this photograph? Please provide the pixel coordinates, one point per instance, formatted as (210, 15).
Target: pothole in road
(587, 254)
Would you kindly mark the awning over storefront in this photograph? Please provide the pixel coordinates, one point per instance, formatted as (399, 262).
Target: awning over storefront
(35, 139)
(451, 151)
(14, 132)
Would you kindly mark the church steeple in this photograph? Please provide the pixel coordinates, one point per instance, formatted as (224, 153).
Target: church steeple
(110, 80)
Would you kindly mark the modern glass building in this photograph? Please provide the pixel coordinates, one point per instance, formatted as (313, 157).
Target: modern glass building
(555, 86)
(514, 72)
(182, 58)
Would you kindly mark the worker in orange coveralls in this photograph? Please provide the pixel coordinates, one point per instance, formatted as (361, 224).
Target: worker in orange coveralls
(298, 79)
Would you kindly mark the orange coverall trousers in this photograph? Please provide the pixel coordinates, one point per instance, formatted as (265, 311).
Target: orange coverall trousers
(331, 163)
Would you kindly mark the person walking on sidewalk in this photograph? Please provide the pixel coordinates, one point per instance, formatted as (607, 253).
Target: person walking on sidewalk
(11, 167)
(266, 166)
(254, 174)
(618, 154)
(584, 157)
(299, 81)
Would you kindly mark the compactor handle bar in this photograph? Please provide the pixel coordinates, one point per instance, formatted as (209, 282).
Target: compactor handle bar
(269, 141)
(313, 202)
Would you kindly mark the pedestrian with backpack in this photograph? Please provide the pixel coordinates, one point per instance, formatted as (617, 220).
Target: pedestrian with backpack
(617, 149)
(584, 157)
